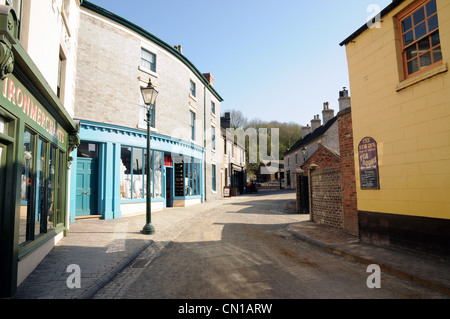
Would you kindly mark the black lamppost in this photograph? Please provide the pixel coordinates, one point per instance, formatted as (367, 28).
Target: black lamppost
(149, 95)
(304, 153)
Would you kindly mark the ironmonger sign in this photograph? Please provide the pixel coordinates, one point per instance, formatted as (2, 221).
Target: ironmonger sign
(22, 104)
(368, 164)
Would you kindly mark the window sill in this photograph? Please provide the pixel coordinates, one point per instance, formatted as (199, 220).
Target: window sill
(193, 97)
(148, 71)
(422, 77)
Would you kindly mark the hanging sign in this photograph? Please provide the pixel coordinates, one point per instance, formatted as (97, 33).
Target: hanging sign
(368, 163)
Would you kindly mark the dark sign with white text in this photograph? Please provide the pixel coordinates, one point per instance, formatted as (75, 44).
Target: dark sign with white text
(368, 163)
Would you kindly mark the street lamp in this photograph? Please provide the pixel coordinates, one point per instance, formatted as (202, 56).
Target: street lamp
(304, 153)
(149, 95)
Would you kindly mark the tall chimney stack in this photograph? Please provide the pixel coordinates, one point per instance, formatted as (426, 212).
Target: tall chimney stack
(344, 100)
(327, 113)
(209, 77)
(306, 130)
(315, 123)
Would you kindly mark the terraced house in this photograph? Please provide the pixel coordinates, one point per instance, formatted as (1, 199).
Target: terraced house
(115, 59)
(400, 88)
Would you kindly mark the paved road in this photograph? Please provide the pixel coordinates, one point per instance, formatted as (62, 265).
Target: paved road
(242, 250)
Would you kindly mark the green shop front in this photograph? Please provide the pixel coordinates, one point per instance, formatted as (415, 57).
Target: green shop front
(36, 138)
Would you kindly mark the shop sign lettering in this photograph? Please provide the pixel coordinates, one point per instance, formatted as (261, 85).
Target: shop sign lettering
(18, 96)
(368, 163)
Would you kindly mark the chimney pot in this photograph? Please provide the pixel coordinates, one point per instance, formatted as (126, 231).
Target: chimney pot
(315, 123)
(344, 100)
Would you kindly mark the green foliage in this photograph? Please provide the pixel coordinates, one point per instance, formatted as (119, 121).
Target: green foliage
(289, 134)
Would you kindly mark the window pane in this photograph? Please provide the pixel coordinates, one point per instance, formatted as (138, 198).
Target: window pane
(2, 125)
(424, 45)
(61, 189)
(435, 40)
(408, 38)
(125, 173)
(158, 174)
(26, 187)
(51, 187)
(433, 23)
(87, 150)
(425, 60)
(420, 30)
(40, 212)
(406, 24)
(138, 171)
(411, 52)
(431, 7)
(187, 184)
(151, 173)
(419, 15)
(413, 66)
(437, 55)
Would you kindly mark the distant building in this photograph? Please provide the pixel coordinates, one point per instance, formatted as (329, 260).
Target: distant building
(318, 134)
(233, 169)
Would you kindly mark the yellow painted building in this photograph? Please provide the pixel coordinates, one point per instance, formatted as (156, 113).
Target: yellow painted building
(400, 87)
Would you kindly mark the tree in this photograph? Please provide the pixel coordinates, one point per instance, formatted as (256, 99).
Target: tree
(238, 120)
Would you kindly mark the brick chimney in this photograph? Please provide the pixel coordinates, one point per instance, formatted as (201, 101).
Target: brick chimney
(316, 123)
(327, 113)
(209, 77)
(306, 130)
(225, 121)
(344, 100)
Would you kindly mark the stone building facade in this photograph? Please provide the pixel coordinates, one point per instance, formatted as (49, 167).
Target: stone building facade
(115, 59)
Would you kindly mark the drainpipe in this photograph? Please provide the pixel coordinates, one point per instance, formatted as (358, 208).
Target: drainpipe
(204, 139)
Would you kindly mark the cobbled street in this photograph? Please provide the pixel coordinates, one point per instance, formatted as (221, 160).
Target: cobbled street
(241, 249)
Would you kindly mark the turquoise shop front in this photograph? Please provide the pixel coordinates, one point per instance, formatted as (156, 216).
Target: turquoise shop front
(108, 179)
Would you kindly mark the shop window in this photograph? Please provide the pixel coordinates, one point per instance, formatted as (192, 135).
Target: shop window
(26, 187)
(187, 178)
(134, 173)
(420, 39)
(42, 183)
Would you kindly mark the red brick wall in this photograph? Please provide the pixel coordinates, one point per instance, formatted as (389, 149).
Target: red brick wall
(349, 203)
(326, 197)
(324, 158)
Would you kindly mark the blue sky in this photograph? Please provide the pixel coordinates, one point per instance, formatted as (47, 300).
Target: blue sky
(270, 60)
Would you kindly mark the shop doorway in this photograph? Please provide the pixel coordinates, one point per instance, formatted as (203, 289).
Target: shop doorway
(169, 187)
(87, 180)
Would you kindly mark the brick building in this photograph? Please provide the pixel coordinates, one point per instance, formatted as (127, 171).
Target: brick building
(313, 137)
(326, 180)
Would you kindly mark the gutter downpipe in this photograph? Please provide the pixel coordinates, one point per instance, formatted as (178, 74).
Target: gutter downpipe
(204, 141)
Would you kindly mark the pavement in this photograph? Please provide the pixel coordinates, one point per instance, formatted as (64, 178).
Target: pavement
(101, 249)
